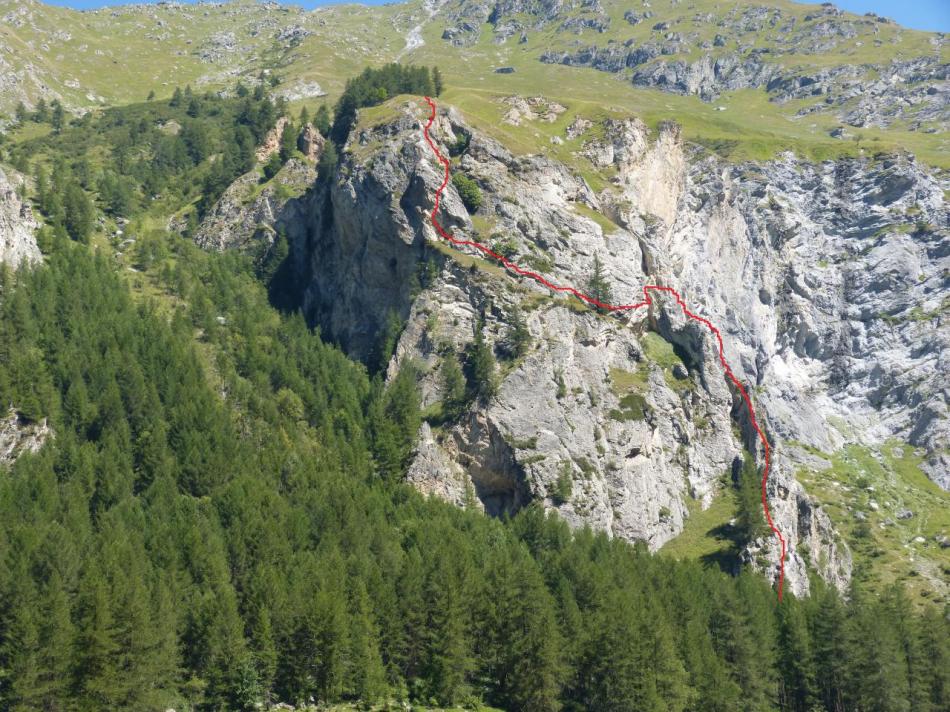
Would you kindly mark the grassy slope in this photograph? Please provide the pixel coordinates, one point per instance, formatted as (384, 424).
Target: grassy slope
(706, 534)
(762, 128)
(887, 549)
(120, 58)
(120, 54)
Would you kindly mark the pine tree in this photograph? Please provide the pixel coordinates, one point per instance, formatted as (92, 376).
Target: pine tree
(750, 522)
(98, 669)
(437, 81)
(326, 166)
(453, 386)
(519, 338)
(830, 654)
(796, 661)
(20, 656)
(483, 381)
(410, 645)
(877, 669)
(935, 660)
(288, 142)
(56, 654)
(58, 116)
(41, 113)
(367, 676)
(265, 652)
(395, 421)
(176, 98)
(78, 212)
(321, 120)
(533, 646)
(449, 648)
(598, 287)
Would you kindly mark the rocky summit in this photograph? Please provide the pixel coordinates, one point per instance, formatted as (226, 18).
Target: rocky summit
(315, 391)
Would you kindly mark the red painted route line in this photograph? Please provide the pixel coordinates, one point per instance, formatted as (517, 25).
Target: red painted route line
(647, 301)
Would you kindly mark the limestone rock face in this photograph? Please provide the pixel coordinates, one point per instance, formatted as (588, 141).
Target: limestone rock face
(18, 435)
(826, 282)
(17, 225)
(271, 143)
(311, 142)
(247, 217)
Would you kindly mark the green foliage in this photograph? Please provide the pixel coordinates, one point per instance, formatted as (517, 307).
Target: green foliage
(598, 286)
(482, 369)
(176, 546)
(564, 485)
(218, 521)
(453, 386)
(468, 191)
(372, 87)
(437, 83)
(288, 141)
(135, 155)
(750, 521)
(519, 338)
(57, 116)
(273, 166)
(321, 120)
(394, 421)
(326, 166)
(386, 341)
(41, 113)
(77, 212)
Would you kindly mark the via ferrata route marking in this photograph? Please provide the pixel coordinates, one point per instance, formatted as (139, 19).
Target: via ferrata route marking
(647, 302)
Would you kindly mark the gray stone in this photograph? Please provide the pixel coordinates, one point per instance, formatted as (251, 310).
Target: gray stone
(17, 224)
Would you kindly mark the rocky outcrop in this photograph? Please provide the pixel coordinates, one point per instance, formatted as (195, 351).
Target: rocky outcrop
(612, 422)
(271, 143)
(367, 248)
(465, 19)
(825, 280)
(249, 216)
(19, 435)
(860, 94)
(310, 143)
(17, 224)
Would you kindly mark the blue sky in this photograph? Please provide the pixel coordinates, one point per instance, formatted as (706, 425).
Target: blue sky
(919, 14)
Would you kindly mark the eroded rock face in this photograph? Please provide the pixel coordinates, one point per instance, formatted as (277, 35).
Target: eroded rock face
(825, 280)
(18, 436)
(271, 143)
(17, 225)
(861, 95)
(311, 142)
(633, 433)
(368, 241)
(248, 217)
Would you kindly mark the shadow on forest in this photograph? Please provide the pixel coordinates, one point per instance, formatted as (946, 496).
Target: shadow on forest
(727, 556)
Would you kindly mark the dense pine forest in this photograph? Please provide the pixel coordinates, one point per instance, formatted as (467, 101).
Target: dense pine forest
(219, 522)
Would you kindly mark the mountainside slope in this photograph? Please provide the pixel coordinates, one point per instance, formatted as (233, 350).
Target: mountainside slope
(782, 75)
(595, 397)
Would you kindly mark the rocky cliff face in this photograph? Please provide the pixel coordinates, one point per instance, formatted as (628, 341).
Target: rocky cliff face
(827, 281)
(18, 436)
(17, 225)
(613, 421)
(249, 216)
(768, 48)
